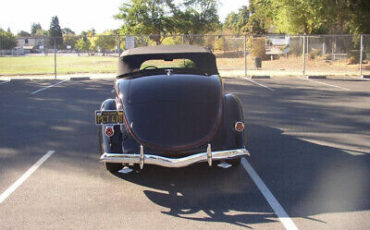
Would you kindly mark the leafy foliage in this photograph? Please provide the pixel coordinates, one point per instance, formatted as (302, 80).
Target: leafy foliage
(55, 32)
(260, 20)
(7, 40)
(308, 17)
(35, 27)
(145, 17)
(70, 40)
(199, 16)
(68, 31)
(23, 34)
(104, 42)
(163, 17)
(257, 47)
(237, 22)
(83, 44)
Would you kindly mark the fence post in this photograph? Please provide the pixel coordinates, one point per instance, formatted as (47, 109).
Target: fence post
(323, 47)
(245, 55)
(119, 46)
(335, 47)
(304, 54)
(55, 58)
(361, 51)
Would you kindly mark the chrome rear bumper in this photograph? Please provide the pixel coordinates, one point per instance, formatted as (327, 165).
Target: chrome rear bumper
(151, 159)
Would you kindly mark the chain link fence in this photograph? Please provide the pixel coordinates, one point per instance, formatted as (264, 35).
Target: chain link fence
(236, 55)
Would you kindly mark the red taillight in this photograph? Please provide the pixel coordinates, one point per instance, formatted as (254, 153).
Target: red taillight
(109, 131)
(239, 126)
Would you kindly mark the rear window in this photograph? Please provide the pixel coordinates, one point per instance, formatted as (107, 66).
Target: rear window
(173, 63)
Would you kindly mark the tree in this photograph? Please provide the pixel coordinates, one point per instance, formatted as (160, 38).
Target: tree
(309, 17)
(7, 40)
(41, 32)
(104, 42)
(237, 22)
(55, 32)
(23, 34)
(230, 21)
(199, 17)
(162, 17)
(260, 19)
(35, 27)
(146, 17)
(68, 31)
(348, 16)
(70, 40)
(83, 44)
(90, 32)
(299, 16)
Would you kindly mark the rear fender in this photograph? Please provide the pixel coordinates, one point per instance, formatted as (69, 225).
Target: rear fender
(113, 143)
(233, 112)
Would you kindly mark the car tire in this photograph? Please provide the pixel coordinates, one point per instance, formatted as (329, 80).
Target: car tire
(113, 167)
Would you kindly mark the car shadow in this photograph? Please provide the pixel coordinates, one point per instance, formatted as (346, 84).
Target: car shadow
(306, 178)
(201, 193)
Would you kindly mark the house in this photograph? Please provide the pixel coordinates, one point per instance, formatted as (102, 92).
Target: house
(277, 44)
(31, 44)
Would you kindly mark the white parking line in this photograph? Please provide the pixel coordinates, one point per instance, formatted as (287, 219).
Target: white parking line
(278, 209)
(42, 89)
(24, 177)
(254, 82)
(323, 83)
(3, 82)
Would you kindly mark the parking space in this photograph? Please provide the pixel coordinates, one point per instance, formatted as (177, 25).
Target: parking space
(315, 142)
(309, 145)
(21, 131)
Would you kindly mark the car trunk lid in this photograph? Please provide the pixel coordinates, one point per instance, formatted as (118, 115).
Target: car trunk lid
(174, 112)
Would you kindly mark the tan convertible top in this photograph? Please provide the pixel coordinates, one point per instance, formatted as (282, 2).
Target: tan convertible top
(165, 49)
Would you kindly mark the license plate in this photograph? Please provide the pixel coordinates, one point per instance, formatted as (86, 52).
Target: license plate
(108, 117)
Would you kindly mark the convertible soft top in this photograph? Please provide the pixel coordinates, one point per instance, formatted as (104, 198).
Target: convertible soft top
(131, 60)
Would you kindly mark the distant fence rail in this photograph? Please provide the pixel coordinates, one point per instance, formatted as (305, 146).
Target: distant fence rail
(236, 54)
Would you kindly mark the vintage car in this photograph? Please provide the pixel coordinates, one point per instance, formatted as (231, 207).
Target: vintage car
(170, 110)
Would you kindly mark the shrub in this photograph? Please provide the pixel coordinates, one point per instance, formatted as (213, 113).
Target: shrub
(296, 47)
(172, 40)
(210, 42)
(354, 57)
(257, 48)
(219, 44)
(314, 53)
(327, 57)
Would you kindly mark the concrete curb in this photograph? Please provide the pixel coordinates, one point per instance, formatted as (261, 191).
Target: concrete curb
(20, 80)
(260, 77)
(316, 77)
(79, 78)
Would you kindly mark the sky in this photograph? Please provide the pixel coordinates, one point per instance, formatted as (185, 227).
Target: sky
(78, 15)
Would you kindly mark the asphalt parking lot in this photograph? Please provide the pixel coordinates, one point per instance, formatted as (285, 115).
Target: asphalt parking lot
(309, 145)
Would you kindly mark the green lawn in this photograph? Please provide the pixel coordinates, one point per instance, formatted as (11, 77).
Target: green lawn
(65, 65)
